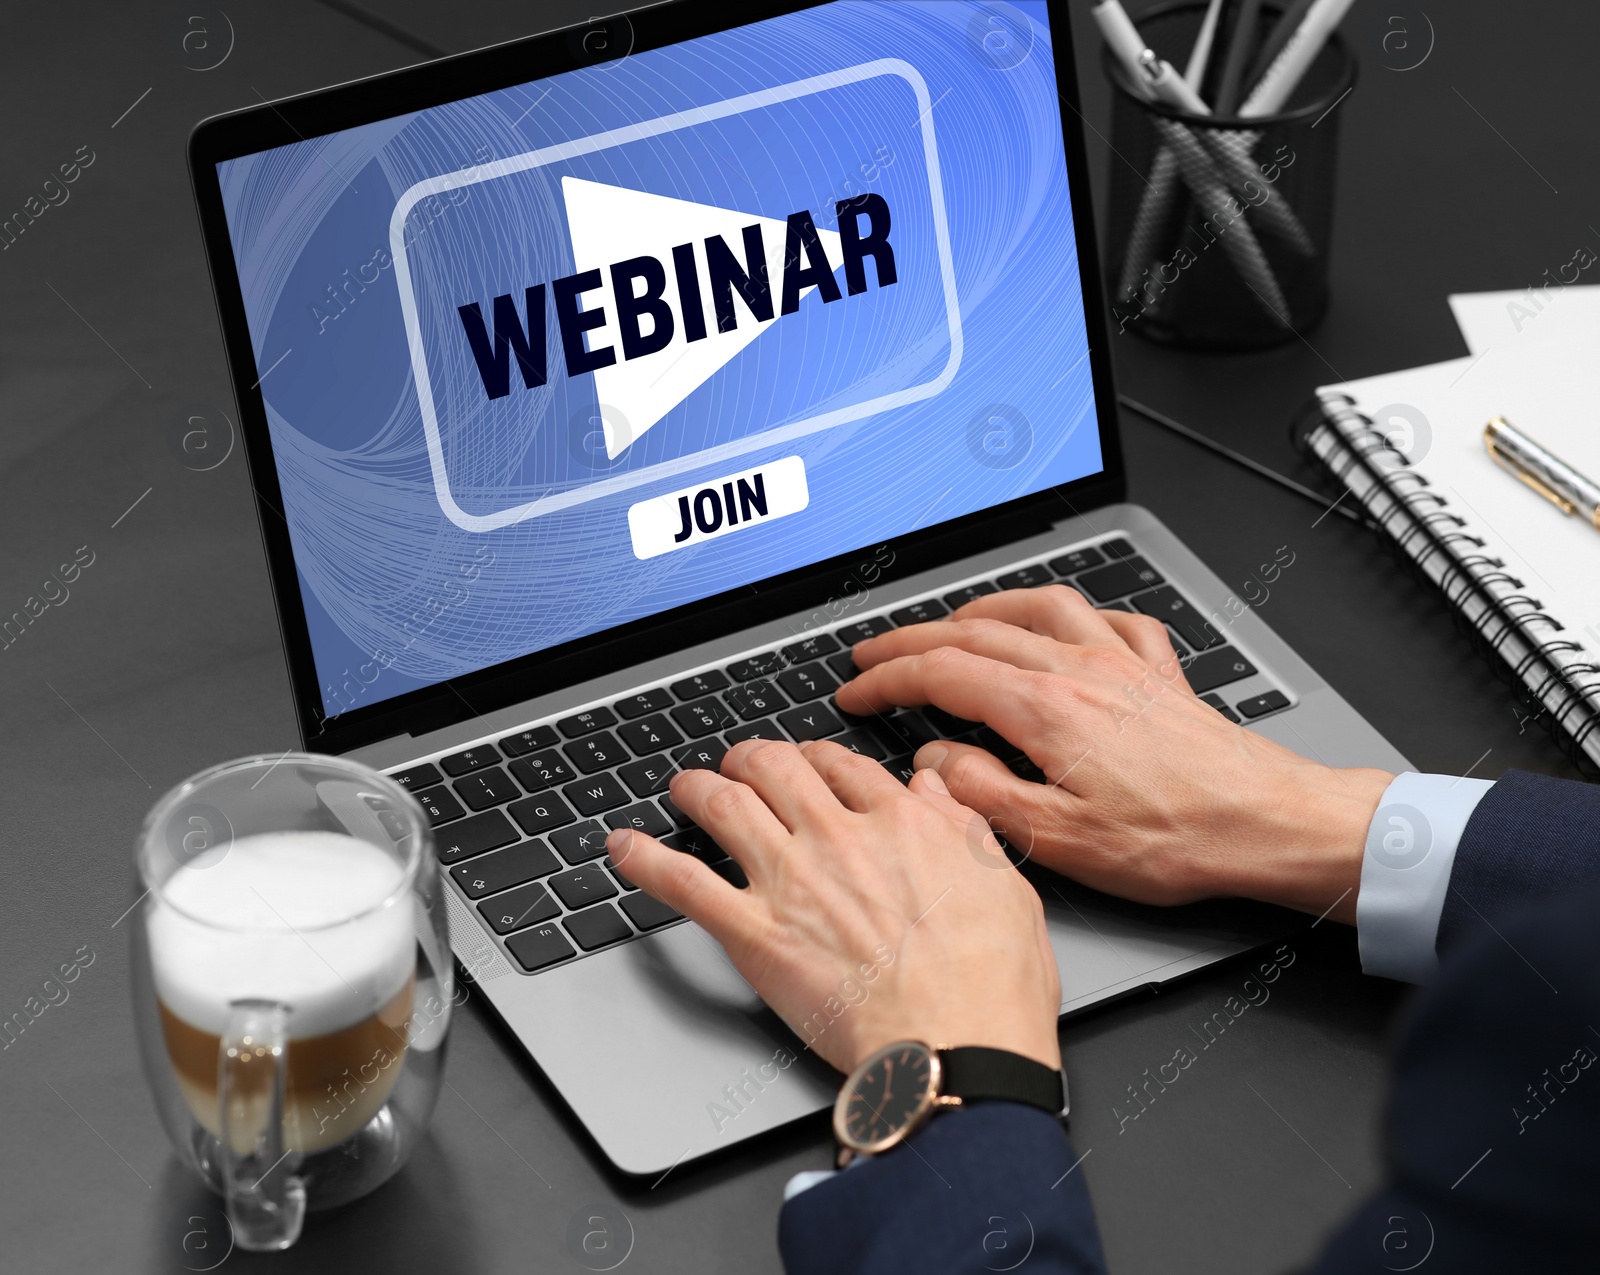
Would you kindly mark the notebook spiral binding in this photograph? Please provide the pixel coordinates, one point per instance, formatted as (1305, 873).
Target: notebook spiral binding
(1489, 605)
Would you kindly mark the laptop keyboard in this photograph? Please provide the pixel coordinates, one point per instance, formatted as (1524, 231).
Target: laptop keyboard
(521, 822)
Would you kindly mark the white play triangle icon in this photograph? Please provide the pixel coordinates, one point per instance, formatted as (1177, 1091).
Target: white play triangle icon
(611, 223)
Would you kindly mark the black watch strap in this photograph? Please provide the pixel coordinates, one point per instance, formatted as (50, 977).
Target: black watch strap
(975, 1073)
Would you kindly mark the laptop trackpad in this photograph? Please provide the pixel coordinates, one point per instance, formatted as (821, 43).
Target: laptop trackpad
(663, 1050)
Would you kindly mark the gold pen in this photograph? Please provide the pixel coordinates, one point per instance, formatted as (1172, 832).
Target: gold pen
(1549, 475)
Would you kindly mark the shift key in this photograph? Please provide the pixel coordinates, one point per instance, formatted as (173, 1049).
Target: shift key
(1211, 669)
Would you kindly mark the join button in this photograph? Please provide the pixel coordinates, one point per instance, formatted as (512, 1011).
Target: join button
(718, 507)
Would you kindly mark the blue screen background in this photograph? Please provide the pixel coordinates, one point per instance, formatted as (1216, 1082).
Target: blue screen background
(397, 596)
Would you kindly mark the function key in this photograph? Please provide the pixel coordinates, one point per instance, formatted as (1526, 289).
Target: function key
(487, 788)
(1120, 578)
(861, 630)
(965, 595)
(1221, 705)
(1257, 705)
(1029, 577)
(488, 831)
(768, 662)
(1076, 560)
(755, 699)
(651, 735)
(808, 682)
(440, 805)
(700, 684)
(920, 612)
(811, 648)
(1118, 548)
(543, 945)
(469, 760)
(515, 909)
(538, 772)
(702, 717)
(423, 776)
(503, 869)
(530, 740)
(651, 701)
(586, 722)
(596, 752)
(596, 927)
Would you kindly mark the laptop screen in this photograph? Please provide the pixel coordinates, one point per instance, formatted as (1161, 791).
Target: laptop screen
(544, 361)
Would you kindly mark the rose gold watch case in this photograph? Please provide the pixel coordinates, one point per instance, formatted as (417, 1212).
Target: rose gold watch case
(925, 1107)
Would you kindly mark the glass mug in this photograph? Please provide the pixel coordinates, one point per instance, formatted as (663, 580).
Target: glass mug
(293, 983)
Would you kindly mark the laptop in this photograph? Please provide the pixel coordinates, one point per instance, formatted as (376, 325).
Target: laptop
(600, 389)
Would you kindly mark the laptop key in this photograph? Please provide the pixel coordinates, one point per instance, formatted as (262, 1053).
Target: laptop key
(583, 886)
(901, 768)
(598, 792)
(948, 724)
(516, 909)
(763, 665)
(541, 771)
(595, 927)
(920, 612)
(843, 665)
(1166, 603)
(1221, 705)
(755, 699)
(595, 752)
(652, 701)
(541, 946)
(766, 728)
(675, 812)
(423, 776)
(440, 805)
(808, 682)
(486, 788)
(732, 873)
(810, 721)
(1216, 667)
(1118, 548)
(859, 741)
(539, 814)
(861, 630)
(700, 684)
(1114, 606)
(1258, 705)
(647, 913)
(1119, 579)
(702, 717)
(1029, 577)
(645, 817)
(811, 648)
(580, 842)
(491, 873)
(469, 760)
(1076, 560)
(621, 880)
(696, 841)
(488, 831)
(964, 595)
(902, 732)
(648, 776)
(705, 755)
(528, 741)
(650, 735)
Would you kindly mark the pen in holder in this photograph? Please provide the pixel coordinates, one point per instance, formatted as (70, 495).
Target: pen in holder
(1220, 225)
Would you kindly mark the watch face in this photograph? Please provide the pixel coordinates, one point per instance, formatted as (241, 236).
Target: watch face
(886, 1096)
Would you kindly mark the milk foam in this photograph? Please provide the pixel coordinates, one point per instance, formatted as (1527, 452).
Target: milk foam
(330, 974)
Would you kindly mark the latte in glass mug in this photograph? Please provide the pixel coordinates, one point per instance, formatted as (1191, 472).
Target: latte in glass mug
(316, 922)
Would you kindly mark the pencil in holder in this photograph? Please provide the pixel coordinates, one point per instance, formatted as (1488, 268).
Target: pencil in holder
(1219, 226)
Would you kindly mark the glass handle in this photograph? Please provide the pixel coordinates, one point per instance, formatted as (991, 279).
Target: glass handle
(266, 1200)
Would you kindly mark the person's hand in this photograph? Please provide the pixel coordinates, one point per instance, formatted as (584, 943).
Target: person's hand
(874, 912)
(1150, 794)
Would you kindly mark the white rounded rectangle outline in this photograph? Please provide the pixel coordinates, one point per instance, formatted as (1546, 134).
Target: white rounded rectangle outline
(655, 524)
(634, 132)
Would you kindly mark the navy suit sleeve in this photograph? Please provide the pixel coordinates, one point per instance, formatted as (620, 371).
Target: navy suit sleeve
(1530, 838)
(989, 1188)
(1494, 1165)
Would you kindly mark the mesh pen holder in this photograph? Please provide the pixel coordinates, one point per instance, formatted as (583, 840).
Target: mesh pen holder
(1220, 226)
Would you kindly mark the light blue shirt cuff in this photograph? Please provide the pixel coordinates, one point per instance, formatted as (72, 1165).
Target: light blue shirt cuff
(805, 1181)
(1405, 873)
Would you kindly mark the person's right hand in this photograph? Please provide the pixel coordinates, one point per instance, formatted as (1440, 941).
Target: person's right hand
(1150, 794)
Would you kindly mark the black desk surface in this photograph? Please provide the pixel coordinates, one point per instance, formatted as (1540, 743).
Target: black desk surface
(1472, 170)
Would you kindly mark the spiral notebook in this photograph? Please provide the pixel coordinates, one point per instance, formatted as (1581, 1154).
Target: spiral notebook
(1525, 578)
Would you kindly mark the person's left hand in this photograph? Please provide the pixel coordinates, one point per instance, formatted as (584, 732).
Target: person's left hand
(874, 913)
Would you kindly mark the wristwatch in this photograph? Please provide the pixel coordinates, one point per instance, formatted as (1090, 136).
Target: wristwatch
(897, 1089)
